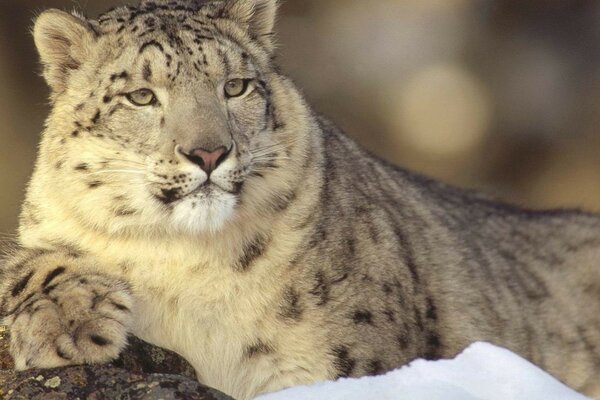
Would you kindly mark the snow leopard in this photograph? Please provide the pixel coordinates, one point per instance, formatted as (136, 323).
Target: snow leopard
(186, 193)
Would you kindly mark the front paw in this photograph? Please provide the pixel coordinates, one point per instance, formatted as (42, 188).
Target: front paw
(69, 318)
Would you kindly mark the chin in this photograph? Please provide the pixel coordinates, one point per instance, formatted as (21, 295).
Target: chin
(206, 214)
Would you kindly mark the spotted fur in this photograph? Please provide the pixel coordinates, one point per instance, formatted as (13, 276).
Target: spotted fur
(300, 258)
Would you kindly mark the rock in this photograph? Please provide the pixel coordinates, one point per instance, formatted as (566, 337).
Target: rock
(143, 372)
(141, 357)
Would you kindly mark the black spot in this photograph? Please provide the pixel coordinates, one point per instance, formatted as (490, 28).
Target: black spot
(342, 362)
(168, 195)
(94, 184)
(362, 317)
(82, 167)
(74, 252)
(74, 133)
(97, 299)
(62, 354)
(99, 340)
(321, 288)
(374, 367)
(53, 274)
(434, 345)
(17, 306)
(350, 246)
(418, 318)
(150, 22)
(106, 99)
(49, 289)
(291, 307)
(124, 212)
(96, 117)
(402, 341)
(115, 108)
(147, 71)
(387, 289)
(237, 187)
(259, 348)
(408, 256)
(431, 310)
(20, 286)
(283, 201)
(390, 315)
(122, 75)
(252, 251)
(151, 43)
(119, 306)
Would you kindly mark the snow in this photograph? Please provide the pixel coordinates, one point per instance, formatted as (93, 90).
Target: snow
(482, 372)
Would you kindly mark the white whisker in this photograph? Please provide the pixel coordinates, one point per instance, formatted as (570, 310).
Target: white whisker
(115, 171)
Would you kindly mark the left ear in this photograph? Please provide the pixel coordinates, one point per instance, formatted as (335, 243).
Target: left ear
(64, 42)
(256, 16)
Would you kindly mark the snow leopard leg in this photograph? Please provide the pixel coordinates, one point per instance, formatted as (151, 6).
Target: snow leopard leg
(60, 312)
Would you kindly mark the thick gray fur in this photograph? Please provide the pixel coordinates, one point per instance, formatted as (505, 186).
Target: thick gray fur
(304, 258)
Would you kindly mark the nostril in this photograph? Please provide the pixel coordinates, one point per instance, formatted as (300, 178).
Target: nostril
(195, 159)
(223, 156)
(208, 160)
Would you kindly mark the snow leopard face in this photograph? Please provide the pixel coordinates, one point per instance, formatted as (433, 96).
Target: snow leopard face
(164, 114)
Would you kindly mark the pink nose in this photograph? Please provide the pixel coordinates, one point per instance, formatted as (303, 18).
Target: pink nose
(208, 160)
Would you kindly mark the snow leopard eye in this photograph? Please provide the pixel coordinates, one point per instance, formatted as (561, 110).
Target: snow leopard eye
(142, 97)
(236, 87)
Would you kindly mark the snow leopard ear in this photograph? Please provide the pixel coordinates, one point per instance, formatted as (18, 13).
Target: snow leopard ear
(64, 42)
(257, 16)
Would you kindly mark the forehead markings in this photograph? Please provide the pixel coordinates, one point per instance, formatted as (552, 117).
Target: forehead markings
(122, 75)
(152, 43)
(117, 78)
(174, 76)
(224, 58)
(201, 25)
(147, 71)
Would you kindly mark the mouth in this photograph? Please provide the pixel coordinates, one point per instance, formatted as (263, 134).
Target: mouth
(207, 190)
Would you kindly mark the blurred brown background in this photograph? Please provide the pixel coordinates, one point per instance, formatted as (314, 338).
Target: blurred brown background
(499, 95)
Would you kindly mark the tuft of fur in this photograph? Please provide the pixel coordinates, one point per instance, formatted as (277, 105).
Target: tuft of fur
(299, 258)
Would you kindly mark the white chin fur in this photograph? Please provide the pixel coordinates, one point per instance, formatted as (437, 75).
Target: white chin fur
(207, 216)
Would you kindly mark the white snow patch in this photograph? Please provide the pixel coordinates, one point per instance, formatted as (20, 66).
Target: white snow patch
(482, 372)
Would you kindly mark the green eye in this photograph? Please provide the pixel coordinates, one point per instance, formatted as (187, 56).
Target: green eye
(142, 97)
(236, 87)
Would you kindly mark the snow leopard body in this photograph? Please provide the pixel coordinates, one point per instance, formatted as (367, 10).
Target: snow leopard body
(186, 193)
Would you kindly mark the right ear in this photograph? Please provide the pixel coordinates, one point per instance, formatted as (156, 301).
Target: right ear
(63, 41)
